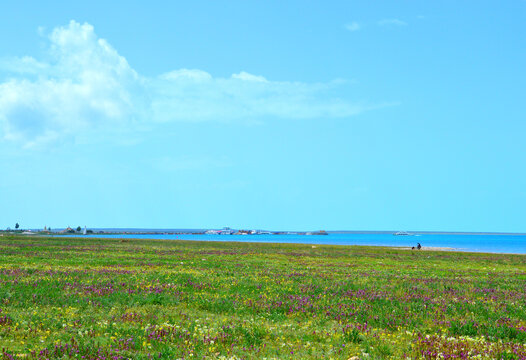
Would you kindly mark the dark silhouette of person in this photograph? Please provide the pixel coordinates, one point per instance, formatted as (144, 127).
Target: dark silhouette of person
(418, 246)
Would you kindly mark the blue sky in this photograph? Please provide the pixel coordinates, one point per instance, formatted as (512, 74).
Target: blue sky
(304, 115)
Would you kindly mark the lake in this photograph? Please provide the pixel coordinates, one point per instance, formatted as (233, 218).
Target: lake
(496, 243)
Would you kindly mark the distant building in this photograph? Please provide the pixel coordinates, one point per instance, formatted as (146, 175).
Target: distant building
(68, 230)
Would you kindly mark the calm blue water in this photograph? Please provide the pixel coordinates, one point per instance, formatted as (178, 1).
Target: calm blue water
(480, 243)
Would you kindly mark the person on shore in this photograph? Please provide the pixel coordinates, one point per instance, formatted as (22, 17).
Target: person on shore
(418, 246)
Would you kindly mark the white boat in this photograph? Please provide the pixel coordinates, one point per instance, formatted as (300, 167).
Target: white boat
(402, 233)
(226, 231)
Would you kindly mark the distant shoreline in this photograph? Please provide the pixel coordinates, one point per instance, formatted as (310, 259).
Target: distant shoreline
(146, 231)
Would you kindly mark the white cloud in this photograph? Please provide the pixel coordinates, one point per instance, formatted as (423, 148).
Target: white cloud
(248, 77)
(24, 65)
(242, 97)
(187, 75)
(87, 86)
(353, 26)
(392, 22)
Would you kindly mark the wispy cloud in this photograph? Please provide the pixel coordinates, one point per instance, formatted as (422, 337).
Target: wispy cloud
(392, 22)
(23, 65)
(88, 86)
(353, 26)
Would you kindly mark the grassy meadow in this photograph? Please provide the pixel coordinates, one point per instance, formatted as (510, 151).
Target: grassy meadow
(66, 298)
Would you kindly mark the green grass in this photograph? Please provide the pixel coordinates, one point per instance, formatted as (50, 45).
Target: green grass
(63, 298)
